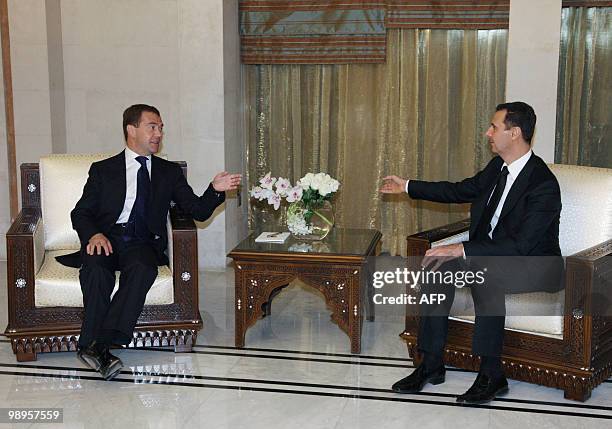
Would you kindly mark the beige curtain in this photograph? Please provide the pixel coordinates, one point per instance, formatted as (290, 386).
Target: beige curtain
(420, 115)
(585, 88)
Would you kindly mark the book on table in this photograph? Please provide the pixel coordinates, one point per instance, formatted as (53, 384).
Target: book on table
(272, 237)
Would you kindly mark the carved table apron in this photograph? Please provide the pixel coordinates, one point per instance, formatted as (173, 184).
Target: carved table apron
(262, 270)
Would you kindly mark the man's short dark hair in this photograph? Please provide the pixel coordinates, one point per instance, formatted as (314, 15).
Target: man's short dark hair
(131, 115)
(519, 114)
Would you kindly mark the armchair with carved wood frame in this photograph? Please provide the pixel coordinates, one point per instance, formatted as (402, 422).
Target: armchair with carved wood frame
(44, 298)
(571, 351)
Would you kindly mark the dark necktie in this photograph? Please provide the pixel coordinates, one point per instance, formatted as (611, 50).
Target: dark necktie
(138, 215)
(484, 226)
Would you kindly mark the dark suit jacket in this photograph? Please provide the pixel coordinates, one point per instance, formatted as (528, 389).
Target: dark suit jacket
(528, 227)
(104, 196)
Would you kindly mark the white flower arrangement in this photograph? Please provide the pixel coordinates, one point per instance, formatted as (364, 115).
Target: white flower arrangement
(311, 190)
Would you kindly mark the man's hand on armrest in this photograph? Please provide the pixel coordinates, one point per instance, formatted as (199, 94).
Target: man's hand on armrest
(393, 185)
(97, 243)
(441, 254)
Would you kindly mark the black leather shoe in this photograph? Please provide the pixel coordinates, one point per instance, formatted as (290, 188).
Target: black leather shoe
(484, 390)
(418, 379)
(91, 356)
(112, 365)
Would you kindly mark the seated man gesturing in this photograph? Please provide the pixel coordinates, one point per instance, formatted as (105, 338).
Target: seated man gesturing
(515, 211)
(121, 223)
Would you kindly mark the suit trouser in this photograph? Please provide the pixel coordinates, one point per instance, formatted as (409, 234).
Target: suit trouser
(113, 321)
(490, 310)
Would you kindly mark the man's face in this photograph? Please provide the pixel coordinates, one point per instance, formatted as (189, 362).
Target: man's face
(145, 139)
(499, 137)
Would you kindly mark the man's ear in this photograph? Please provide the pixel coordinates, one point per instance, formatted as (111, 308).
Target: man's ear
(516, 133)
(131, 130)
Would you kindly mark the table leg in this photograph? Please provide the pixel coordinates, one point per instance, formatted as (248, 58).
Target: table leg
(369, 289)
(239, 311)
(355, 316)
(356, 341)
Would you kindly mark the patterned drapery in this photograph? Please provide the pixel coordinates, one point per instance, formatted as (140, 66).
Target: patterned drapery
(286, 32)
(449, 14)
(355, 31)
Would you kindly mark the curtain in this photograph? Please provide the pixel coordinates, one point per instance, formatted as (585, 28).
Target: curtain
(583, 135)
(321, 32)
(420, 115)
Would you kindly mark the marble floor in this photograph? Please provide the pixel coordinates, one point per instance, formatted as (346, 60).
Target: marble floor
(295, 372)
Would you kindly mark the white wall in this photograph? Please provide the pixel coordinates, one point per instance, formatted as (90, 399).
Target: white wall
(30, 73)
(168, 53)
(30, 70)
(532, 65)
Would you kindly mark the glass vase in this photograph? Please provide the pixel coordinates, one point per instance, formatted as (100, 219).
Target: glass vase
(312, 224)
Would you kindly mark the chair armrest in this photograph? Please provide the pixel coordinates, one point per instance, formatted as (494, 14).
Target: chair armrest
(183, 255)
(181, 221)
(588, 280)
(420, 242)
(593, 255)
(177, 221)
(21, 270)
(25, 223)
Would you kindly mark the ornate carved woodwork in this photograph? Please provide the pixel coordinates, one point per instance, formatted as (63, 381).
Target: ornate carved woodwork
(343, 281)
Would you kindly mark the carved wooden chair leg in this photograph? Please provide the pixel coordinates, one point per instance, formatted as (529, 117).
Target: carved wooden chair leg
(183, 348)
(25, 353)
(184, 342)
(577, 393)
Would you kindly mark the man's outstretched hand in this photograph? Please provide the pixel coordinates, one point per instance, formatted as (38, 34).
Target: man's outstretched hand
(225, 181)
(393, 185)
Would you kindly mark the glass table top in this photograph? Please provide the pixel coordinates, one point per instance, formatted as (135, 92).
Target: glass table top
(340, 241)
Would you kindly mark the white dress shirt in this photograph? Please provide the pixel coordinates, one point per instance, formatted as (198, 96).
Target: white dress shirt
(513, 171)
(131, 174)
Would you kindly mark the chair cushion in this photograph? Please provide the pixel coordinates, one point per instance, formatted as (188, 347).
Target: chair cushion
(535, 312)
(63, 175)
(58, 286)
(586, 216)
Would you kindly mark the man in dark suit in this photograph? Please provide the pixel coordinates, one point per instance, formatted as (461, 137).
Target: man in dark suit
(515, 208)
(121, 222)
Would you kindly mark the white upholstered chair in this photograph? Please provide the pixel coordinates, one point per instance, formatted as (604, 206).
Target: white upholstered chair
(565, 343)
(45, 301)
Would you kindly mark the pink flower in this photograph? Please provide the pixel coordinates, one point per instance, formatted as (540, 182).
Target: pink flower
(267, 181)
(274, 200)
(295, 194)
(256, 192)
(282, 186)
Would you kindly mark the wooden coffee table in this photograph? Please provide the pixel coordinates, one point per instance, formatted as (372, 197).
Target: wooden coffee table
(339, 267)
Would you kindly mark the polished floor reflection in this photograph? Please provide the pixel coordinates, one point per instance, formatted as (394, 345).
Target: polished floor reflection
(295, 372)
